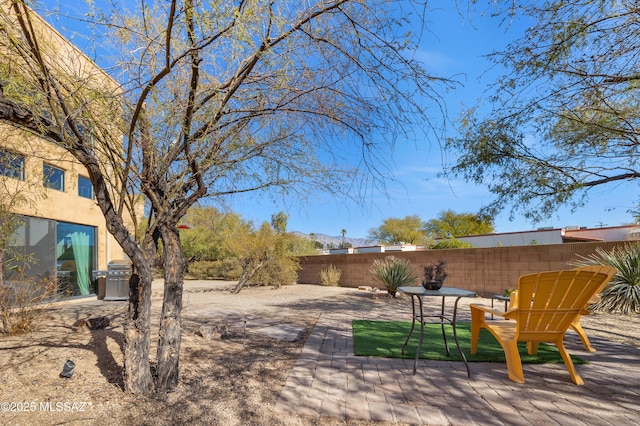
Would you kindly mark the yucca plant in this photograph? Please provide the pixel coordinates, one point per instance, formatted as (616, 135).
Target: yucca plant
(393, 272)
(622, 294)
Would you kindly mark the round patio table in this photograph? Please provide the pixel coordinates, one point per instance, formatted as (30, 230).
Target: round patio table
(418, 294)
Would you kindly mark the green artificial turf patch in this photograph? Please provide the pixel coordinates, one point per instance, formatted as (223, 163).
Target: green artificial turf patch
(385, 339)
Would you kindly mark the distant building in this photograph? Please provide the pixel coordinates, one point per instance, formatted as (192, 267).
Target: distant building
(570, 234)
(371, 249)
(554, 236)
(400, 247)
(346, 250)
(375, 249)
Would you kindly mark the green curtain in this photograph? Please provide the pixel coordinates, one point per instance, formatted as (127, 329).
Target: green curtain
(80, 246)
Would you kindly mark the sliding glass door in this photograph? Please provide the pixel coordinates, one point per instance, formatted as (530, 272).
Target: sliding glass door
(63, 250)
(75, 254)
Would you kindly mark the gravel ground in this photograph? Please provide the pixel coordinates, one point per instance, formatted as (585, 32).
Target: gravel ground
(233, 380)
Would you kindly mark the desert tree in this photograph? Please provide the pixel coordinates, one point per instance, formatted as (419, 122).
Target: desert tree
(343, 232)
(394, 230)
(449, 224)
(52, 90)
(213, 99)
(208, 230)
(279, 222)
(563, 117)
(266, 255)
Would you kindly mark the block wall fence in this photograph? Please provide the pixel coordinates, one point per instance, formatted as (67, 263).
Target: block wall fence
(486, 271)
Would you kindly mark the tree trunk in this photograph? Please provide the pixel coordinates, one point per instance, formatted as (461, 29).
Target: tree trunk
(4, 297)
(137, 371)
(248, 271)
(170, 335)
(150, 248)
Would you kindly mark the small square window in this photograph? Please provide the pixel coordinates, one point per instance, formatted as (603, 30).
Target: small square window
(53, 177)
(85, 187)
(11, 165)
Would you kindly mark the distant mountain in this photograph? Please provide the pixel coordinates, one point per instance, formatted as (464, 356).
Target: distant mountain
(327, 239)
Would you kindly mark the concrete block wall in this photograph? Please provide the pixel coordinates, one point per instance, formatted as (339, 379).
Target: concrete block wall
(486, 271)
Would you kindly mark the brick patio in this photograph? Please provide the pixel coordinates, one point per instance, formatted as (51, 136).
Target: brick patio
(329, 380)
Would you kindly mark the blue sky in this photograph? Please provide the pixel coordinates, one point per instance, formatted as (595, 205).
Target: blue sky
(452, 46)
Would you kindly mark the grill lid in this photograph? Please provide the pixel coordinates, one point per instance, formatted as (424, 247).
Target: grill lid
(119, 265)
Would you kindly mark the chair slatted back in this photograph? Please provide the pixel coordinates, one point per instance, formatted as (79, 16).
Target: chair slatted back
(609, 270)
(549, 301)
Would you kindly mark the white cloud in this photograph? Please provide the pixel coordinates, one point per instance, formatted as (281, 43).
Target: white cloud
(435, 62)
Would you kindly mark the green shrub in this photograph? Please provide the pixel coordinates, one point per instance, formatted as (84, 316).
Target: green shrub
(393, 272)
(330, 276)
(277, 272)
(226, 269)
(450, 243)
(622, 294)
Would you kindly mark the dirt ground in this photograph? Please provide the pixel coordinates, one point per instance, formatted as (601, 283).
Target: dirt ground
(232, 380)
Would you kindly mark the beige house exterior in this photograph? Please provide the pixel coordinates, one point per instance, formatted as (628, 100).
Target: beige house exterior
(66, 205)
(63, 226)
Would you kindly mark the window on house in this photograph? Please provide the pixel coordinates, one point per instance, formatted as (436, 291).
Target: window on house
(11, 165)
(85, 187)
(53, 177)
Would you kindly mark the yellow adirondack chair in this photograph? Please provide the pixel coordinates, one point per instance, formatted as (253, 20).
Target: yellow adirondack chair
(576, 325)
(548, 303)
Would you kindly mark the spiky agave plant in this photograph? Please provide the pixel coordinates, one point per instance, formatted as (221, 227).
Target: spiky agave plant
(393, 272)
(622, 294)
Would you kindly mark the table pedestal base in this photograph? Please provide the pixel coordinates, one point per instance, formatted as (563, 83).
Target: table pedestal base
(443, 320)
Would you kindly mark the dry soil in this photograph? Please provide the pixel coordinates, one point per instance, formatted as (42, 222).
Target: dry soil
(232, 380)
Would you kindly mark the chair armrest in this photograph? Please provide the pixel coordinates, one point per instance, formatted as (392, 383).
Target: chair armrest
(505, 314)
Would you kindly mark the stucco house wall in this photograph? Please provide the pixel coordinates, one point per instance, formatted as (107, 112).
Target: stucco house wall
(52, 204)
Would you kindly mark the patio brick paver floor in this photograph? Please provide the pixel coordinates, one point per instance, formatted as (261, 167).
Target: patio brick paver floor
(329, 380)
